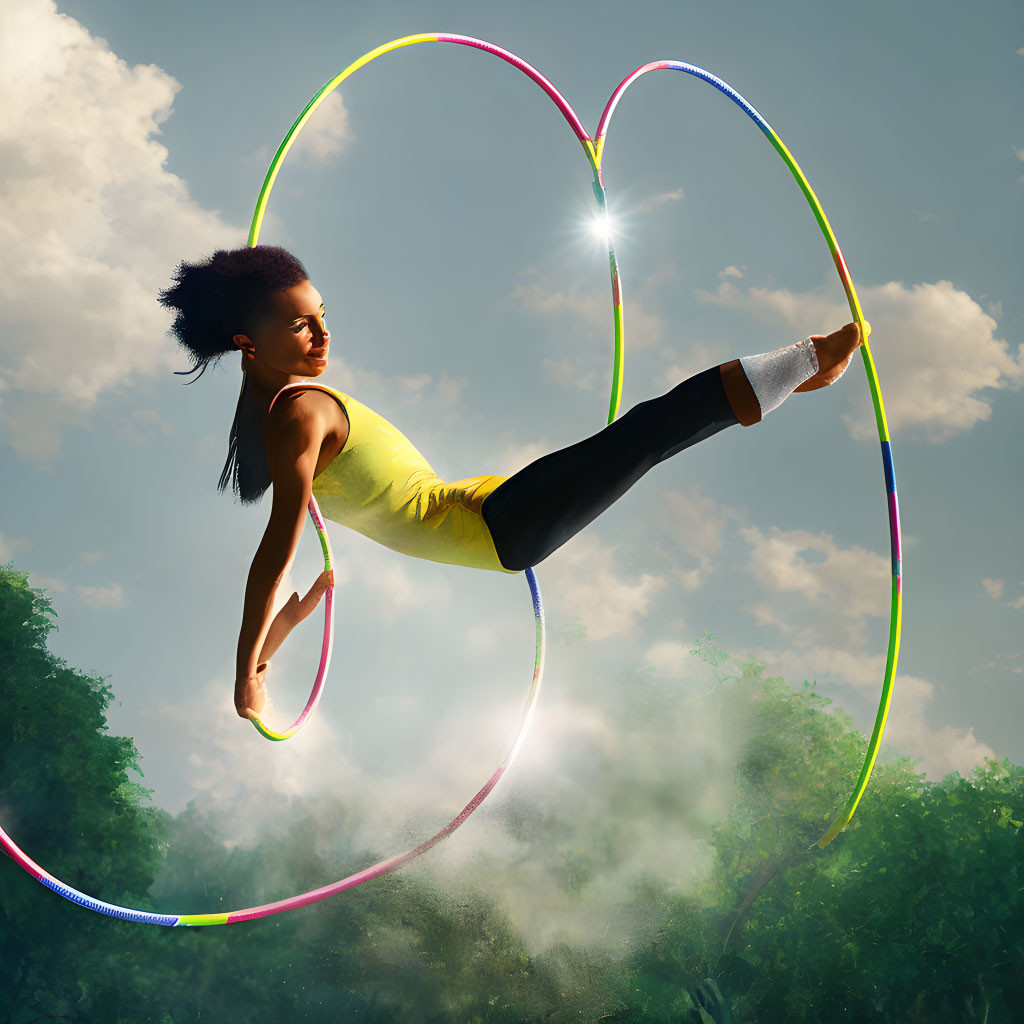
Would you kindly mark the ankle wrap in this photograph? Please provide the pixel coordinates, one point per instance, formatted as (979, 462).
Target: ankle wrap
(774, 375)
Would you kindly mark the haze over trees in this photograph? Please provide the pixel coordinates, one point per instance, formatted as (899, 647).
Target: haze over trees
(914, 913)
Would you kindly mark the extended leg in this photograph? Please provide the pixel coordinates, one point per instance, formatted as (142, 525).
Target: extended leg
(538, 509)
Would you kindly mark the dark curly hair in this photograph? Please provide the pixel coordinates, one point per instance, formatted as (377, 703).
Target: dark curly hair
(213, 301)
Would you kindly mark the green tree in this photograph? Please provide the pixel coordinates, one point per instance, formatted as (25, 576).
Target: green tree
(68, 801)
(914, 912)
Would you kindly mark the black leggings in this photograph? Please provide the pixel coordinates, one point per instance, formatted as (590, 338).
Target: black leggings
(538, 509)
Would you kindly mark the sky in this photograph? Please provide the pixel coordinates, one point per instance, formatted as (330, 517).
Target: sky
(444, 209)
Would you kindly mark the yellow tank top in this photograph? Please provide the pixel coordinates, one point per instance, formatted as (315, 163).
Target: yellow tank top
(382, 487)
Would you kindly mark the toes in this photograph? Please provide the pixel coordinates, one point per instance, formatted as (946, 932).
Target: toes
(860, 335)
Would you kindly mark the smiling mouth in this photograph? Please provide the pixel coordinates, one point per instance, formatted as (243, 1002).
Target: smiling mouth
(322, 356)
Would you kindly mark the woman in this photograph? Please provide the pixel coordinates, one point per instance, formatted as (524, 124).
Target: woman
(305, 438)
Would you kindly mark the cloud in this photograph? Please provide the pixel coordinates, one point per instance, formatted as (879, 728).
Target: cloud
(765, 615)
(935, 349)
(326, 133)
(653, 202)
(571, 373)
(832, 591)
(668, 658)
(994, 588)
(10, 545)
(590, 308)
(938, 751)
(93, 223)
(582, 582)
(1000, 661)
(102, 598)
(697, 524)
(729, 271)
(40, 581)
(675, 196)
(517, 456)
(843, 587)
(390, 584)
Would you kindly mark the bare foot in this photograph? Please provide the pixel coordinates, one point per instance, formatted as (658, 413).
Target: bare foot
(833, 352)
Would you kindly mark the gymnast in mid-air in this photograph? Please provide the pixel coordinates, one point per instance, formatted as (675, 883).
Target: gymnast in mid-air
(304, 438)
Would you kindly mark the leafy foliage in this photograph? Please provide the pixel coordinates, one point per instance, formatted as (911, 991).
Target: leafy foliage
(914, 913)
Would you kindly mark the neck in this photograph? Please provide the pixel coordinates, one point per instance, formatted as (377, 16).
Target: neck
(262, 384)
(259, 393)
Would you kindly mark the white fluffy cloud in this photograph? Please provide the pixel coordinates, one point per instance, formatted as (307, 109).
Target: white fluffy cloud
(326, 133)
(93, 222)
(937, 751)
(582, 582)
(829, 591)
(935, 349)
(844, 586)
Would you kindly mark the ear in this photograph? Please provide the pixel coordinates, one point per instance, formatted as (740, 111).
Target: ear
(244, 342)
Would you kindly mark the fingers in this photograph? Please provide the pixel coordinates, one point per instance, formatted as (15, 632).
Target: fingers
(312, 599)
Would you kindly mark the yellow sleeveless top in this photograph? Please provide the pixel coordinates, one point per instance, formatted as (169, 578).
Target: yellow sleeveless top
(382, 487)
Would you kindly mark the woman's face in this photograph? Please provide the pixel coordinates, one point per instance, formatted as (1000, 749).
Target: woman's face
(291, 339)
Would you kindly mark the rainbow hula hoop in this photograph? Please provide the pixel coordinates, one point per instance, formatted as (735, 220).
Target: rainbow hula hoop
(594, 149)
(896, 600)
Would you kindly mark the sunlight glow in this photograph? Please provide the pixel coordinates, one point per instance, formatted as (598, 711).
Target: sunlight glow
(604, 226)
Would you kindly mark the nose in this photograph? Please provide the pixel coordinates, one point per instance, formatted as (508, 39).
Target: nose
(324, 333)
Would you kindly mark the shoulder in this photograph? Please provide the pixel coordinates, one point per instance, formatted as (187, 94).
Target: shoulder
(302, 417)
(304, 401)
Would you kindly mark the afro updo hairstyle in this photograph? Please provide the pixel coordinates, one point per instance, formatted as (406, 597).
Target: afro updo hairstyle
(213, 301)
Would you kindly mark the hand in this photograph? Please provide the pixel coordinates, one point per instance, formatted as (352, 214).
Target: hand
(251, 693)
(298, 610)
(293, 612)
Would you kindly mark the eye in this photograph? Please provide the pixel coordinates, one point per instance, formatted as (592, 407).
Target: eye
(299, 328)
